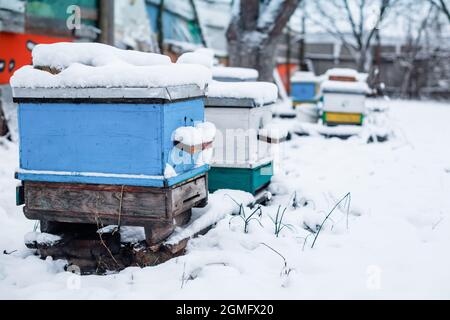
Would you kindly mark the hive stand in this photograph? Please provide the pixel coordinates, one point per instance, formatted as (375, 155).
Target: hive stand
(158, 210)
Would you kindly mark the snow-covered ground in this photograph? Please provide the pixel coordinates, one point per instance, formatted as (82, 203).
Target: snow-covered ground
(394, 243)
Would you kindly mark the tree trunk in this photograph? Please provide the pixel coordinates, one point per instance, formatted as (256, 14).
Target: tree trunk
(361, 62)
(106, 21)
(252, 39)
(262, 57)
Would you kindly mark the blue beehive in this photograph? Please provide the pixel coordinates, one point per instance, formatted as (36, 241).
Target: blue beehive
(304, 86)
(113, 137)
(107, 117)
(97, 138)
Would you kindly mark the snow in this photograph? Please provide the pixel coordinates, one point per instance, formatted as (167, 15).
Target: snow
(304, 76)
(41, 238)
(113, 76)
(93, 65)
(283, 107)
(274, 131)
(342, 72)
(207, 130)
(308, 112)
(261, 92)
(206, 51)
(269, 13)
(61, 55)
(132, 28)
(169, 171)
(344, 87)
(202, 132)
(315, 129)
(362, 77)
(220, 204)
(200, 56)
(395, 246)
(235, 73)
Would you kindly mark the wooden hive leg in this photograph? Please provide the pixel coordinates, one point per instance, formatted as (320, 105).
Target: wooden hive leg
(157, 231)
(183, 218)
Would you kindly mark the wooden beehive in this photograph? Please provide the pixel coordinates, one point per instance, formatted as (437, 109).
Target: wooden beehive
(119, 136)
(342, 74)
(304, 88)
(97, 142)
(343, 102)
(242, 159)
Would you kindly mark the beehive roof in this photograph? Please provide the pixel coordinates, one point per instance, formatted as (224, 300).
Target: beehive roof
(235, 73)
(259, 93)
(344, 87)
(93, 65)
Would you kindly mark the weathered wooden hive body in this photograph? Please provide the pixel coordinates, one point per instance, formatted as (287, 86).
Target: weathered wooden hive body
(304, 88)
(242, 158)
(96, 144)
(343, 98)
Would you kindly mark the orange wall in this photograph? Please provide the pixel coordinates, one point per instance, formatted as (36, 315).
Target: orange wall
(283, 71)
(15, 51)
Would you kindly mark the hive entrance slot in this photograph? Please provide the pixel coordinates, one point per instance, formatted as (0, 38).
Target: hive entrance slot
(191, 198)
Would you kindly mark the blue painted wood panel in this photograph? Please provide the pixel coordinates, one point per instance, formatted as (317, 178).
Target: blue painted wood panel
(174, 117)
(131, 139)
(104, 138)
(129, 181)
(304, 91)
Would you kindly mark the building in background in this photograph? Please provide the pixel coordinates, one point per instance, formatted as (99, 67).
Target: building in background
(184, 25)
(188, 24)
(24, 24)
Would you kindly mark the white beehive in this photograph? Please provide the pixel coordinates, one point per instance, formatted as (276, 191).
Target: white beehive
(344, 97)
(239, 111)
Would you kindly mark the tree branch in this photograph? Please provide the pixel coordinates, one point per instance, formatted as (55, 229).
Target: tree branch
(384, 6)
(332, 28)
(275, 16)
(244, 18)
(442, 6)
(445, 8)
(355, 32)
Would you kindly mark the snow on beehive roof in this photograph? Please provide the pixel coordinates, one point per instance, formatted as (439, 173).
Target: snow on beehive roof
(63, 54)
(344, 87)
(197, 57)
(235, 73)
(106, 68)
(113, 76)
(304, 76)
(342, 72)
(261, 92)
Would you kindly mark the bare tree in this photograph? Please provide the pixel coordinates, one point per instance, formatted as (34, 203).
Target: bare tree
(413, 48)
(254, 32)
(425, 58)
(443, 6)
(349, 21)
